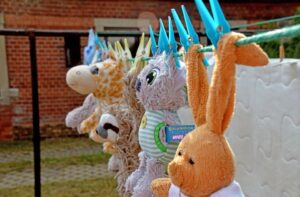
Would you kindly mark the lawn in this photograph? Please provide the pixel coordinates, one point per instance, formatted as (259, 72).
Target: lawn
(100, 186)
(55, 143)
(104, 187)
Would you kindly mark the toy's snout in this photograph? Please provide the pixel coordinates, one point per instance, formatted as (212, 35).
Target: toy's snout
(175, 171)
(138, 85)
(108, 127)
(80, 79)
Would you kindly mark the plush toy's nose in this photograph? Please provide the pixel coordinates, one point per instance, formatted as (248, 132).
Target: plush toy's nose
(174, 171)
(101, 131)
(138, 85)
(172, 168)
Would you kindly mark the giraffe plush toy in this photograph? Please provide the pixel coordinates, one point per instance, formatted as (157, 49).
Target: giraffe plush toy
(204, 162)
(105, 81)
(160, 89)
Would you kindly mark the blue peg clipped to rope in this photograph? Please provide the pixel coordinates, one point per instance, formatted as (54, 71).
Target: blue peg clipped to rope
(215, 26)
(189, 36)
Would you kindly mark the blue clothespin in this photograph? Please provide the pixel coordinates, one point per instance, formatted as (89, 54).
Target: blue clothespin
(217, 26)
(100, 48)
(184, 37)
(98, 42)
(90, 49)
(189, 26)
(153, 42)
(163, 41)
(105, 45)
(189, 37)
(173, 43)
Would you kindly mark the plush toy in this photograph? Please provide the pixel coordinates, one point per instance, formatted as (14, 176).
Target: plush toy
(160, 89)
(204, 162)
(120, 123)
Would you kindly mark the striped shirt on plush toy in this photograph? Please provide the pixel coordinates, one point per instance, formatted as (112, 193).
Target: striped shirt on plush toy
(150, 136)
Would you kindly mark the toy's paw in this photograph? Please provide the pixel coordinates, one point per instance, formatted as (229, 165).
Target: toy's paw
(137, 174)
(86, 126)
(113, 163)
(109, 148)
(133, 179)
(161, 186)
(89, 124)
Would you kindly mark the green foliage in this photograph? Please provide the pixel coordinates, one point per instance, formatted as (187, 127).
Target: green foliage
(292, 46)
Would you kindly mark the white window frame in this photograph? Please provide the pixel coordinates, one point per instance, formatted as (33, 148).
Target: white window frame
(102, 24)
(5, 91)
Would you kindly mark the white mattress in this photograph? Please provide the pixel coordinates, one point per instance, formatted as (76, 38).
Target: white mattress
(265, 130)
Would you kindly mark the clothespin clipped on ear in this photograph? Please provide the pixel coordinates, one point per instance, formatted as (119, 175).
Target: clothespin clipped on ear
(113, 53)
(163, 41)
(127, 52)
(90, 49)
(98, 42)
(153, 42)
(104, 44)
(119, 49)
(173, 43)
(143, 52)
(100, 51)
(189, 36)
(281, 50)
(215, 26)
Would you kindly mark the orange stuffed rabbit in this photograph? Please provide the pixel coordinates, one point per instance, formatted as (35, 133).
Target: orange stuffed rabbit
(204, 162)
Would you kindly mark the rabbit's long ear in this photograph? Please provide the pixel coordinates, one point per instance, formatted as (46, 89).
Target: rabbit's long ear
(221, 99)
(197, 84)
(222, 90)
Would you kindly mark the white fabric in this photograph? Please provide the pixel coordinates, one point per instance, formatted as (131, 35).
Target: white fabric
(174, 191)
(264, 132)
(233, 190)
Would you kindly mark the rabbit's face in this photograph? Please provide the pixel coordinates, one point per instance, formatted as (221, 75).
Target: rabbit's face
(203, 163)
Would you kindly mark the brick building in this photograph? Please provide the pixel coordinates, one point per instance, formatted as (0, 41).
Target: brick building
(56, 99)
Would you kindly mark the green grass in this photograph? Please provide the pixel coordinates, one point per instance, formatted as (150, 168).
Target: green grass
(104, 187)
(83, 188)
(56, 162)
(25, 147)
(56, 143)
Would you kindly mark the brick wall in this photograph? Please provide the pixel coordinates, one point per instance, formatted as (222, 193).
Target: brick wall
(56, 99)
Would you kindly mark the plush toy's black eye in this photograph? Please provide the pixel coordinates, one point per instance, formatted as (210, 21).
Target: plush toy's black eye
(152, 76)
(191, 161)
(94, 70)
(179, 153)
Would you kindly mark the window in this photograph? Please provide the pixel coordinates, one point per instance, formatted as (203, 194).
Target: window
(72, 50)
(128, 25)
